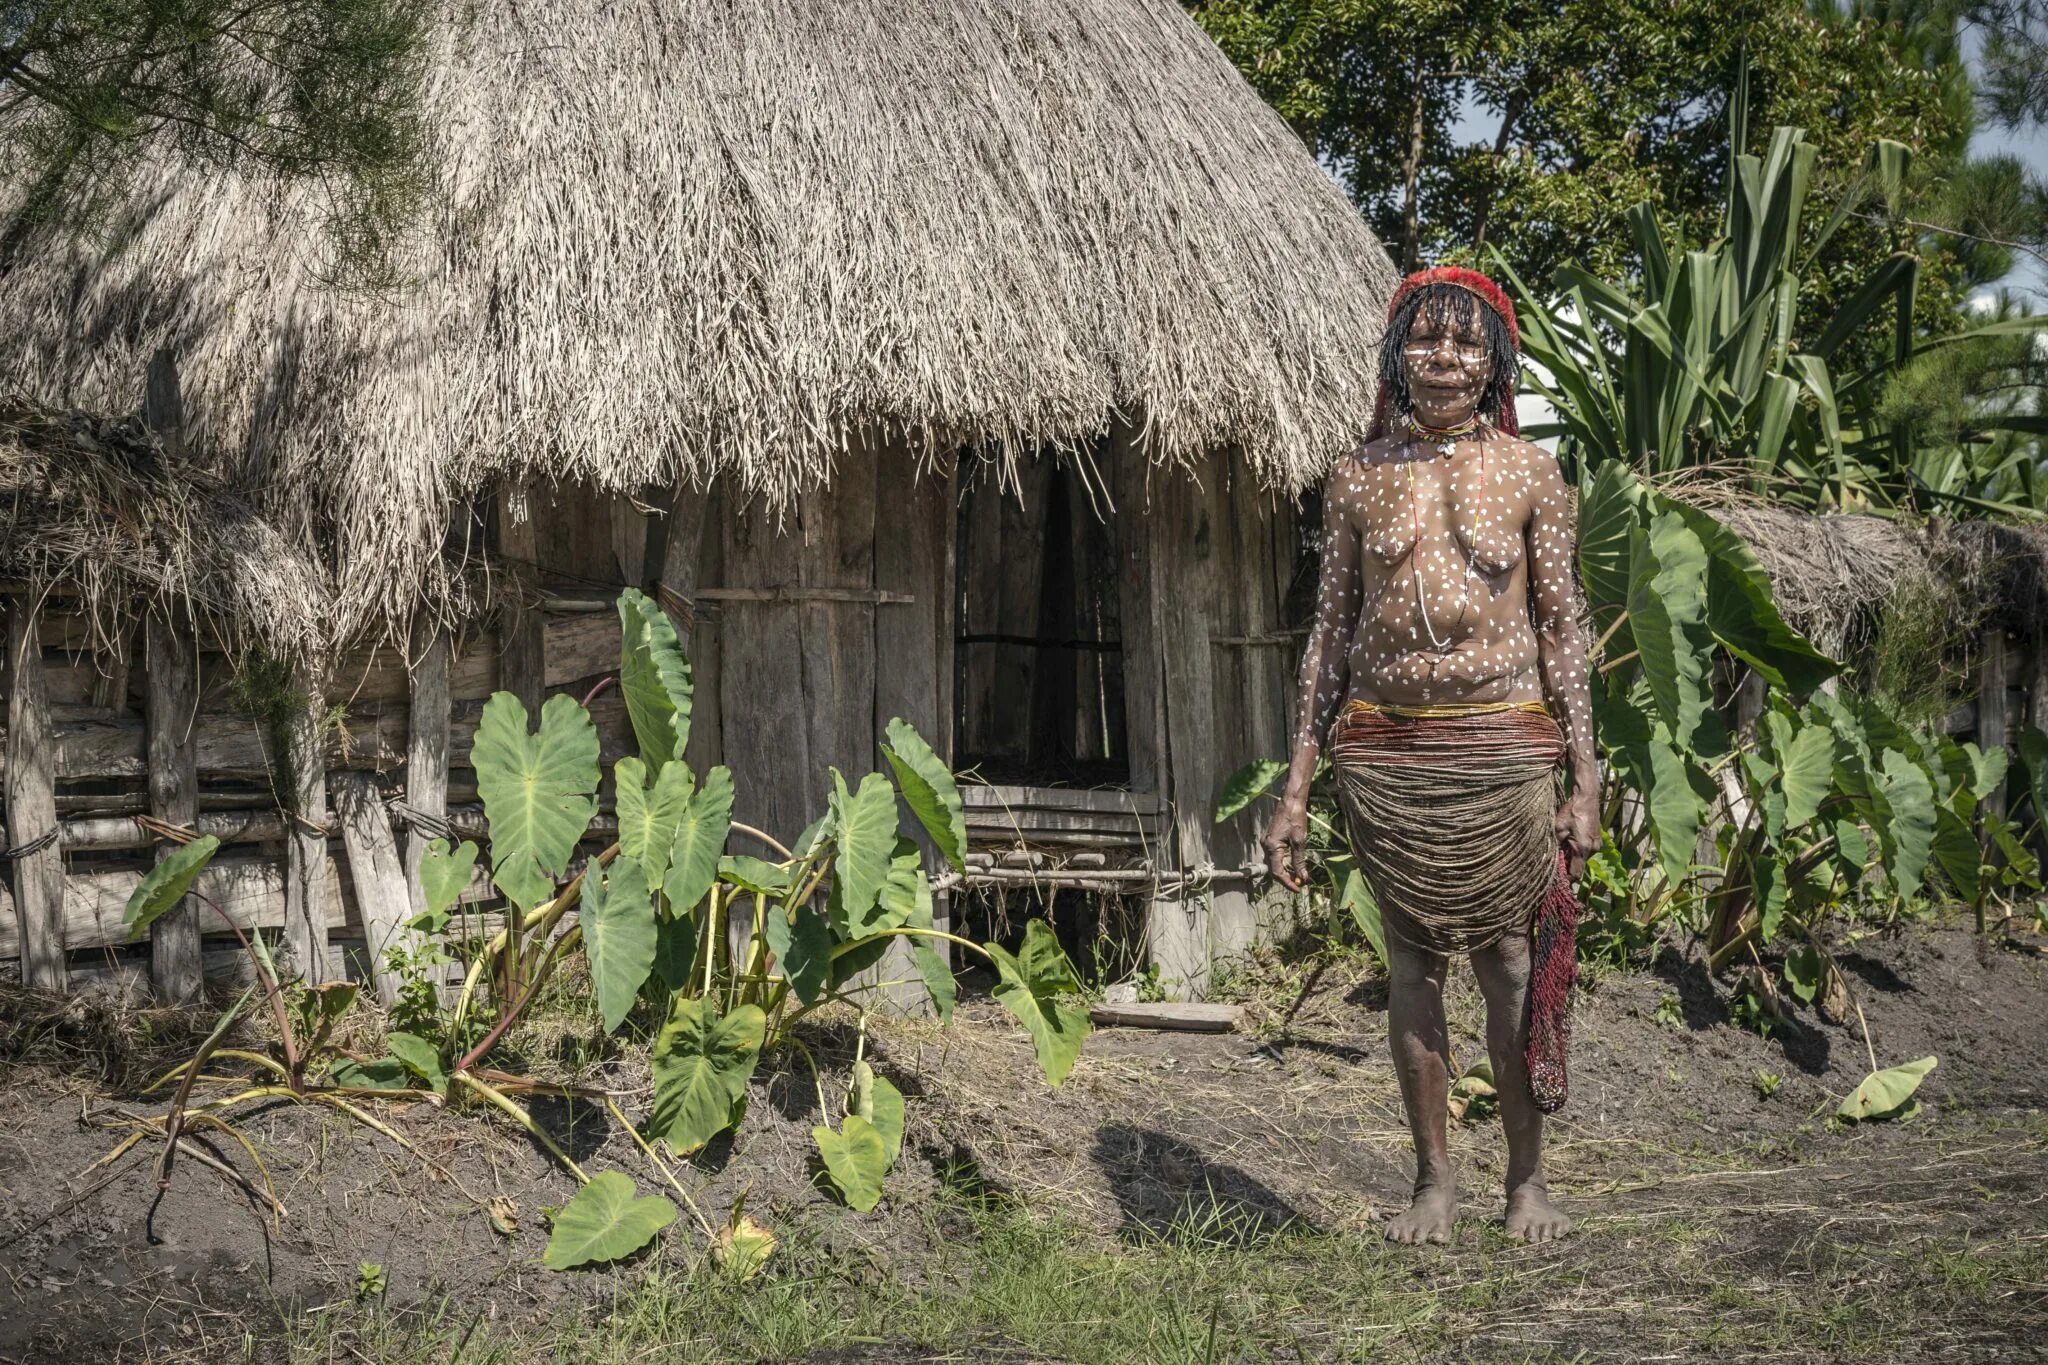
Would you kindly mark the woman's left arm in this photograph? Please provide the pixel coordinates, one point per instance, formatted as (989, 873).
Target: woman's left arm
(1561, 648)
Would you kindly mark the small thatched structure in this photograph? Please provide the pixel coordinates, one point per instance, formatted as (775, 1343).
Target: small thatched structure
(955, 359)
(105, 512)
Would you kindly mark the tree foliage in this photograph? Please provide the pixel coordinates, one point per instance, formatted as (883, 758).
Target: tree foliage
(323, 94)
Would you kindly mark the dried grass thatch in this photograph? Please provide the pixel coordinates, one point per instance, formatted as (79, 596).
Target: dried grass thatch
(719, 239)
(101, 509)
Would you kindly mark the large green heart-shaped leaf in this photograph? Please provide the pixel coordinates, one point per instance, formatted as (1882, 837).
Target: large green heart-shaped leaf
(929, 790)
(164, 885)
(444, 876)
(1247, 785)
(1904, 799)
(606, 1221)
(539, 791)
(905, 896)
(1610, 504)
(421, 1058)
(753, 874)
(878, 1101)
(801, 940)
(648, 817)
(1667, 602)
(654, 678)
(619, 935)
(1957, 852)
(857, 1158)
(937, 976)
(1673, 807)
(865, 825)
(1742, 612)
(701, 831)
(1885, 1094)
(702, 1062)
(1807, 773)
(1032, 982)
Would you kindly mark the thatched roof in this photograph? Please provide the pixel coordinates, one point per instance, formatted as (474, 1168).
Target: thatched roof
(712, 239)
(101, 509)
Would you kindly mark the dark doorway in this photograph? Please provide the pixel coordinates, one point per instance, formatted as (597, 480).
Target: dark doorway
(1038, 649)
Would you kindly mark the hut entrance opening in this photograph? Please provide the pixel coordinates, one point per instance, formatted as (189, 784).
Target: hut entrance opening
(1038, 642)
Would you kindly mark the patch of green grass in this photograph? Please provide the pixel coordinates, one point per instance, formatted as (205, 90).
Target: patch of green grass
(1002, 1283)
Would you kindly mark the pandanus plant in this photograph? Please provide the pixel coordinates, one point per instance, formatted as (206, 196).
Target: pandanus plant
(1705, 362)
(728, 952)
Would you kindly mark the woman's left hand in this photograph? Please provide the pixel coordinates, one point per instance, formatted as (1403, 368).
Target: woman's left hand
(1578, 831)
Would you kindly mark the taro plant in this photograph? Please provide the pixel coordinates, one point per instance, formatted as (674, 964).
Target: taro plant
(727, 952)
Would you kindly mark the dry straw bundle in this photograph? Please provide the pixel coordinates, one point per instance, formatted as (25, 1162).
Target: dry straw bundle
(718, 240)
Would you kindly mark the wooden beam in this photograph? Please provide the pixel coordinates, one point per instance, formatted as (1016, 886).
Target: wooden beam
(522, 648)
(249, 888)
(38, 875)
(171, 717)
(377, 876)
(107, 833)
(1184, 1016)
(306, 908)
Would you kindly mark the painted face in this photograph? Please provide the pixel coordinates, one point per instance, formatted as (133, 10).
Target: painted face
(1447, 364)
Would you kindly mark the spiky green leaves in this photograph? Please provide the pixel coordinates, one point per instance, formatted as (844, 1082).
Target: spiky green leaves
(539, 791)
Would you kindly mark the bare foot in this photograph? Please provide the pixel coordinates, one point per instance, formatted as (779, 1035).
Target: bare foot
(1428, 1219)
(1532, 1217)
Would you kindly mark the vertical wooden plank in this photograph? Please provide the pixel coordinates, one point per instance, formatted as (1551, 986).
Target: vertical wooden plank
(910, 553)
(171, 668)
(766, 738)
(838, 551)
(378, 878)
(694, 553)
(305, 878)
(1144, 687)
(944, 587)
(32, 804)
(631, 533)
(522, 656)
(426, 755)
(1237, 517)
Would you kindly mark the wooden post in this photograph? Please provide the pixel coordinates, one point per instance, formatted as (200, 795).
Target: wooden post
(305, 885)
(170, 716)
(522, 648)
(426, 756)
(32, 804)
(374, 869)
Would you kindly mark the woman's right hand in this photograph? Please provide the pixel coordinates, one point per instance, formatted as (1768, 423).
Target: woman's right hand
(1286, 844)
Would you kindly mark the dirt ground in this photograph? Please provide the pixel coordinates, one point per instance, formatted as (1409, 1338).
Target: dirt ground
(1704, 1207)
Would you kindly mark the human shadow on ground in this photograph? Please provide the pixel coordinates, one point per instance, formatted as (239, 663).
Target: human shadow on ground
(1875, 974)
(1169, 1191)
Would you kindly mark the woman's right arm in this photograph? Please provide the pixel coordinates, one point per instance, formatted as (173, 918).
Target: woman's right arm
(1325, 673)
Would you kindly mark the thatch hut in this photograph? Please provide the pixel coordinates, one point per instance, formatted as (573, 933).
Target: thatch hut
(956, 360)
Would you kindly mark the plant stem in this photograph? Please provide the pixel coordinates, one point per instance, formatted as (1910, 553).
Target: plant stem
(767, 839)
(840, 950)
(524, 1120)
(654, 1159)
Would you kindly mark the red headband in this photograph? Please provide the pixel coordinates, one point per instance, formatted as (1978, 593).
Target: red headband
(1488, 293)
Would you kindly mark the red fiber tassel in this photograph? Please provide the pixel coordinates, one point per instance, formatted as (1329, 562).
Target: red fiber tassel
(1553, 973)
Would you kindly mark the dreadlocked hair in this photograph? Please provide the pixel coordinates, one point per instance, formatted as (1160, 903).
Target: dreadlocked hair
(1448, 305)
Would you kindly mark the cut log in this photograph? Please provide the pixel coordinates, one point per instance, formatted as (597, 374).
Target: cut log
(1184, 1016)
(37, 863)
(106, 833)
(376, 875)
